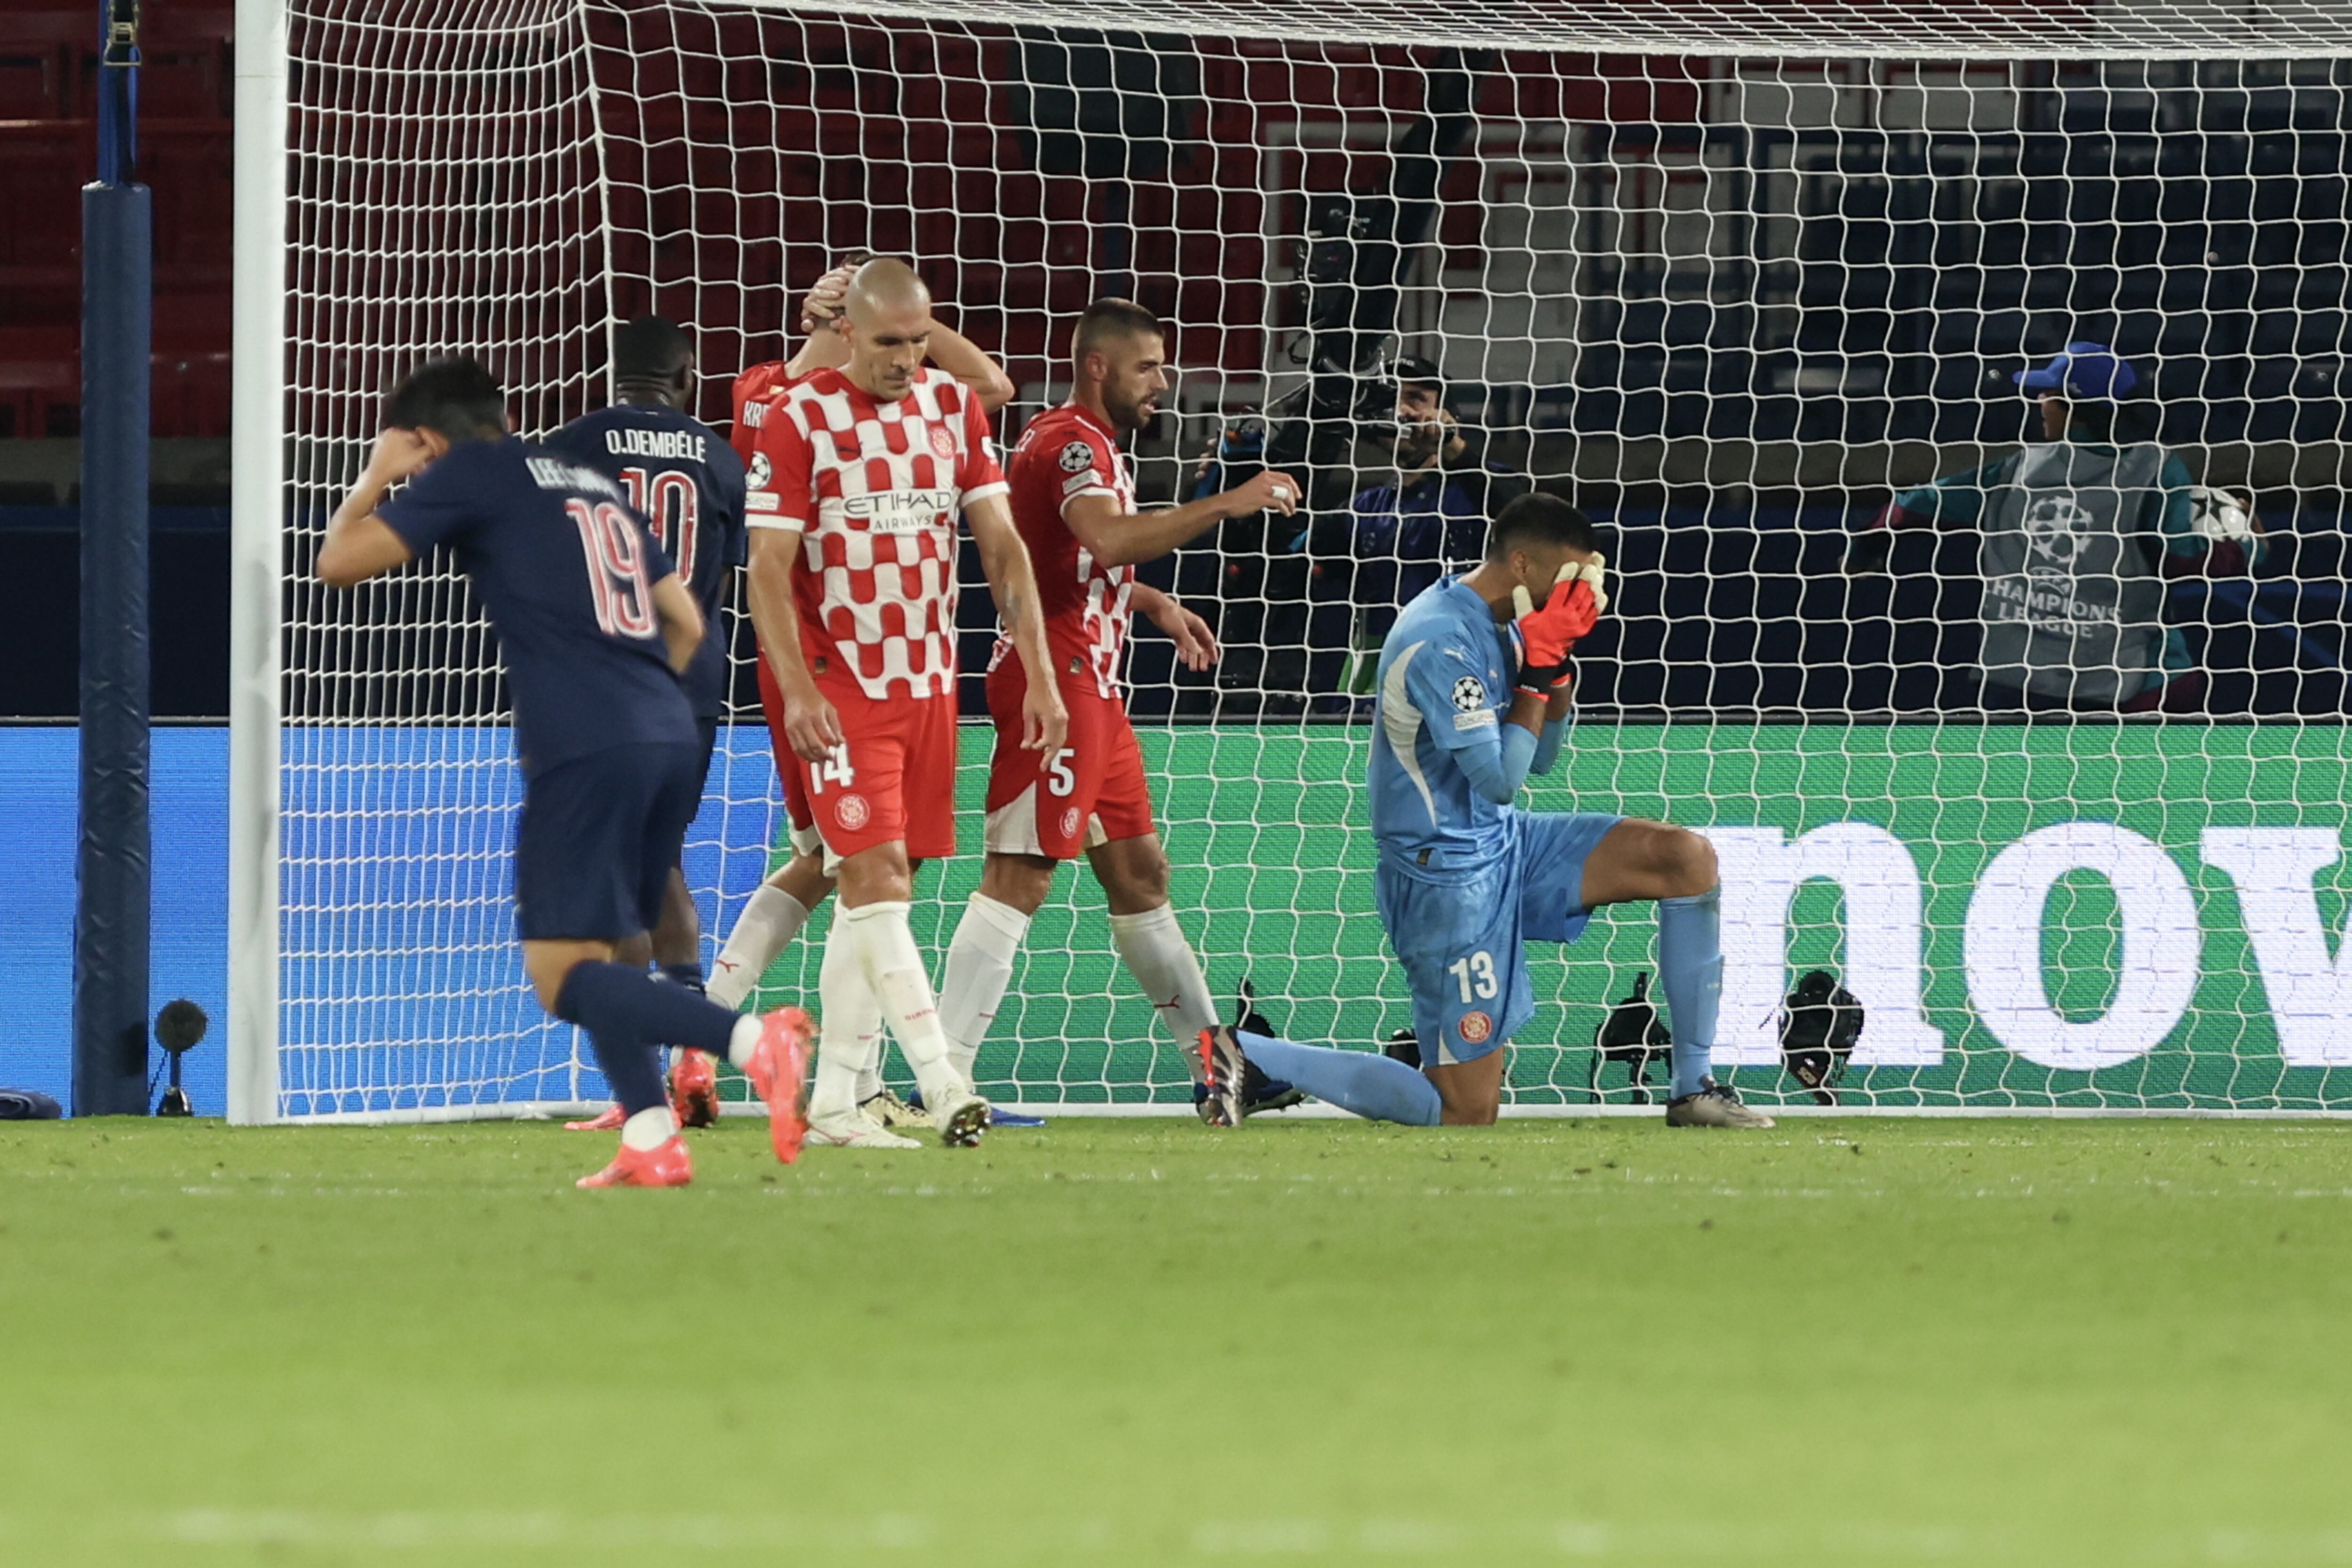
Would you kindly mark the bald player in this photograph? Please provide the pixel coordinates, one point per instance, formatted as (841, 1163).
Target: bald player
(782, 905)
(1074, 500)
(857, 480)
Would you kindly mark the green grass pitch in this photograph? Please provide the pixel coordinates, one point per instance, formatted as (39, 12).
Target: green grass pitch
(1844, 1341)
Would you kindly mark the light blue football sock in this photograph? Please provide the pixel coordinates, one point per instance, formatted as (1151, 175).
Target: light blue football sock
(1365, 1082)
(1690, 968)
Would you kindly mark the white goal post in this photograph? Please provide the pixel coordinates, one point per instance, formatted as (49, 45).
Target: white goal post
(1737, 276)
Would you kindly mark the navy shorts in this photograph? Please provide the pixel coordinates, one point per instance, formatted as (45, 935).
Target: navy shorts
(599, 838)
(709, 730)
(1460, 935)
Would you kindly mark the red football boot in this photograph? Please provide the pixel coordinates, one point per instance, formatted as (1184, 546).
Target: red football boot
(694, 1089)
(608, 1120)
(778, 1067)
(667, 1166)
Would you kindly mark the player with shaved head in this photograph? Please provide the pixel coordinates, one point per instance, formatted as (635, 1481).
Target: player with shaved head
(1074, 500)
(782, 905)
(856, 480)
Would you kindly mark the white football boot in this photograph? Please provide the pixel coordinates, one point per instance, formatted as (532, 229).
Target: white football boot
(892, 1112)
(962, 1121)
(855, 1130)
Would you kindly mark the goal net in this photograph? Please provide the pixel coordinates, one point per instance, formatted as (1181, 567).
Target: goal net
(1743, 279)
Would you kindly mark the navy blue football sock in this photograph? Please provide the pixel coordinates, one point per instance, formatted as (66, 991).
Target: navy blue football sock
(1365, 1082)
(627, 1013)
(687, 975)
(630, 1062)
(1690, 968)
(655, 1011)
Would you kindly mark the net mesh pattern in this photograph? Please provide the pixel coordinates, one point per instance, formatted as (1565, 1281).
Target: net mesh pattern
(1736, 295)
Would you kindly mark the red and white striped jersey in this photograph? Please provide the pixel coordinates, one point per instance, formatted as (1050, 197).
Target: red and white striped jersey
(1064, 454)
(875, 491)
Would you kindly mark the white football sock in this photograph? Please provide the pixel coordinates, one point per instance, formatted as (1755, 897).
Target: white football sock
(850, 1042)
(878, 935)
(744, 1040)
(761, 932)
(980, 967)
(649, 1129)
(1154, 950)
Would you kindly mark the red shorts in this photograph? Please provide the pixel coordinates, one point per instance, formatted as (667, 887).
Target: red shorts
(892, 779)
(1091, 792)
(796, 807)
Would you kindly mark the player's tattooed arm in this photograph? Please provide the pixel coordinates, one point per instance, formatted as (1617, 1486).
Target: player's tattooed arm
(1046, 722)
(360, 544)
(811, 724)
(1118, 538)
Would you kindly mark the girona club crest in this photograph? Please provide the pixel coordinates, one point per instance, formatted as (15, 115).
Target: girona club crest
(851, 812)
(1070, 822)
(942, 443)
(1474, 1028)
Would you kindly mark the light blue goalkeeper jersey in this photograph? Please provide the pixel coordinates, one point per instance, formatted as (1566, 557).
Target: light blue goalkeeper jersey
(1444, 682)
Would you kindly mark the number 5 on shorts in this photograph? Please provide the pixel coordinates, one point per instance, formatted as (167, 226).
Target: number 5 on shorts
(1059, 779)
(1475, 975)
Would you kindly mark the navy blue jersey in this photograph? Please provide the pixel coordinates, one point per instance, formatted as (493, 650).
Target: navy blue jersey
(566, 570)
(688, 482)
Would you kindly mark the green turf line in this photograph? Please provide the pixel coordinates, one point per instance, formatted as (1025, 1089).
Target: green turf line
(1139, 1342)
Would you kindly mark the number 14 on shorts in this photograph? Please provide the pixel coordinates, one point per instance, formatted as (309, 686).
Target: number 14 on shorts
(834, 767)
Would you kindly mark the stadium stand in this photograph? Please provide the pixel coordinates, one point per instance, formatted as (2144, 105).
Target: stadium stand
(1732, 323)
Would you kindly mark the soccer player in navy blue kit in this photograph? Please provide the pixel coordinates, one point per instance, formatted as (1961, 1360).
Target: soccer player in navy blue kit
(687, 482)
(595, 626)
(1475, 686)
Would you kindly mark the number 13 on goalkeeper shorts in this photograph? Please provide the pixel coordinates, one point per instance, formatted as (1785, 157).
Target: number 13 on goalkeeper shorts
(1475, 977)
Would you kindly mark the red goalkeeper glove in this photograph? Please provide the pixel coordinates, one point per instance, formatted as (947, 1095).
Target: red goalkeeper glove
(1548, 636)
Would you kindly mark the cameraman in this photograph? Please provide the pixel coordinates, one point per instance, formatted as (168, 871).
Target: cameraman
(2078, 537)
(1401, 535)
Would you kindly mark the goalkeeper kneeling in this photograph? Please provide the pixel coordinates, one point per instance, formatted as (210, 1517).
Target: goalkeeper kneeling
(1473, 692)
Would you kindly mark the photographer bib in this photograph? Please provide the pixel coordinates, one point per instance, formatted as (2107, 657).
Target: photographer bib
(2074, 603)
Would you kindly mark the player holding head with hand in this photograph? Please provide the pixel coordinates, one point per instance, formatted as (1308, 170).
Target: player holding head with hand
(677, 474)
(1073, 499)
(856, 480)
(596, 626)
(1474, 687)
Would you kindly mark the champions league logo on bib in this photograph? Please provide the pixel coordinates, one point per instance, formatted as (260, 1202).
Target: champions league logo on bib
(1469, 694)
(2054, 525)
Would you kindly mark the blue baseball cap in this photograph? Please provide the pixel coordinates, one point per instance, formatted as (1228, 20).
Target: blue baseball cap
(2086, 373)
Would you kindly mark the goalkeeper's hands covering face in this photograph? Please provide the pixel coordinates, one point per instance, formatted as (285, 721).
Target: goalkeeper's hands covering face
(1548, 632)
